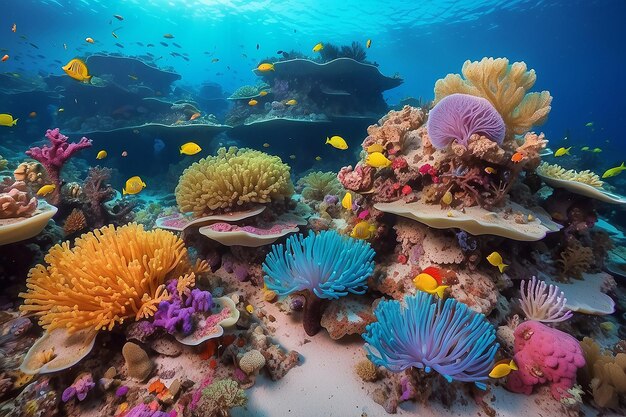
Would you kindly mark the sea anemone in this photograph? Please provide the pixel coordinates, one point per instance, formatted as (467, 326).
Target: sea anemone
(539, 305)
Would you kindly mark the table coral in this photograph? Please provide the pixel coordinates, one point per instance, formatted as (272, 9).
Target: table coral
(545, 355)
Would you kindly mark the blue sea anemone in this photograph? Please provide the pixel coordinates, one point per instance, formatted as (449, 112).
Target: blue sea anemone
(428, 333)
(323, 266)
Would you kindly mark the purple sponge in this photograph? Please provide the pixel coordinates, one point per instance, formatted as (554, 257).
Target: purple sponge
(459, 116)
(176, 314)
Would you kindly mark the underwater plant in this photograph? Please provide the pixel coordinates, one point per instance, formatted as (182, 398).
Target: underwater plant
(539, 305)
(430, 334)
(329, 52)
(324, 266)
(354, 51)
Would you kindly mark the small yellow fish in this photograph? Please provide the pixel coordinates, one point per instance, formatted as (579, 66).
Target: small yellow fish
(291, 102)
(596, 150)
(266, 145)
(503, 368)
(250, 309)
(614, 171)
(584, 148)
(368, 43)
(102, 154)
(430, 281)
(589, 124)
(562, 151)
(376, 147)
(337, 142)
(263, 93)
(89, 40)
(607, 326)
(133, 77)
(292, 157)
(447, 198)
(318, 47)
(61, 110)
(495, 259)
(190, 148)
(318, 158)
(195, 116)
(46, 189)
(253, 102)
(490, 170)
(363, 230)
(377, 160)
(168, 36)
(346, 201)
(133, 185)
(7, 120)
(77, 70)
(265, 67)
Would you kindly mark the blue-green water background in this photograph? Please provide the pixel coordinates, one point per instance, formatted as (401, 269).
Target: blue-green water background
(576, 47)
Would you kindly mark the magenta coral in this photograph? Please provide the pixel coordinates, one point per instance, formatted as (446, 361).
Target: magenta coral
(458, 116)
(54, 157)
(545, 355)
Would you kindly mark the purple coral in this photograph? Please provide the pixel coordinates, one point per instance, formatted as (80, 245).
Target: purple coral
(144, 410)
(539, 305)
(176, 314)
(79, 389)
(459, 116)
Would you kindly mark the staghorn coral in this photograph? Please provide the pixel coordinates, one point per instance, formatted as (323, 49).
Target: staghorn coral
(75, 222)
(98, 192)
(109, 275)
(604, 373)
(560, 173)
(574, 260)
(541, 306)
(14, 201)
(505, 86)
(231, 180)
(317, 185)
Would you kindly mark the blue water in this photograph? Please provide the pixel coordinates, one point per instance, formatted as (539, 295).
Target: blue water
(576, 47)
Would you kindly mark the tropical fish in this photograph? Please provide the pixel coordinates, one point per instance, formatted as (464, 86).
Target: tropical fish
(377, 160)
(562, 151)
(89, 40)
(495, 259)
(257, 46)
(263, 93)
(250, 309)
(265, 67)
(77, 70)
(266, 145)
(133, 185)
(7, 120)
(46, 189)
(4, 58)
(102, 154)
(118, 17)
(14, 28)
(337, 142)
(346, 201)
(119, 45)
(318, 158)
(376, 147)
(133, 77)
(607, 326)
(503, 368)
(292, 157)
(124, 153)
(614, 171)
(584, 148)
(176, 45)
(168, 36)
(114, 35)
(596, 150)
(517, 157)
(253, 102)
(490, 170)
(363, 230)
(32, 114)
(589, 124)
(190, 148)
(368, 43)
(430, 281)
(215, 60)
(447, 198)
(194, 116)
(164, 44)
(291, 102)
(61, 110)
(318, 47)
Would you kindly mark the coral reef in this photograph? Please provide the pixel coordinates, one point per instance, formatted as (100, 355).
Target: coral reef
(317, 185)
(79, 388)
(219, 397)
(560, 173)
(98, 193)
(604, 373)
(575, 260)
(175, 314)
(15, 201)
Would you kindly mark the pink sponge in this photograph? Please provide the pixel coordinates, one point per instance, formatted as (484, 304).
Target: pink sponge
(545, 355)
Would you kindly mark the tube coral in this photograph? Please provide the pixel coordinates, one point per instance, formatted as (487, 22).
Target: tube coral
(109, 275)
(428, 333)
(539, 305)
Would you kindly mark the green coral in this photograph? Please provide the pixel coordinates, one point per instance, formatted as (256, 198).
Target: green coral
(248, 91)
(317, 185)
(220, 397)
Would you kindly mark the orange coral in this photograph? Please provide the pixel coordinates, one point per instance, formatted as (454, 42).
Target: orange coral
(74, 222)
(156, 387)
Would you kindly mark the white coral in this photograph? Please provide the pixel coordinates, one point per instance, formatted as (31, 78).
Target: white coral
(539, 305)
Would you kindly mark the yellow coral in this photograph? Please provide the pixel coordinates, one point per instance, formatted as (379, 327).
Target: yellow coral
(366, 370)
(558, 172)
(605, 374)
(575, 260)
(318, 184)
(231, 180)
(109, 275)
(505, 87)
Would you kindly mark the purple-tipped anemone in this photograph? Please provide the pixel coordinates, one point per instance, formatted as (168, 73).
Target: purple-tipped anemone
(544, 303)
(459, 116)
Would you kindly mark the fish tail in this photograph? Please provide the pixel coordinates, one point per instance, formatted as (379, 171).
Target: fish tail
(124, 191)
(441, 291)
(513, 365)
(328, 141)
(502, 267)
(15, 122)
(622, 166)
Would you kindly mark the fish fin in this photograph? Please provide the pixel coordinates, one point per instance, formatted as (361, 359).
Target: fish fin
(502, 267)
(441, 291)
(15, 122)
(622, 166)
(327, 140)
(124, 191)
(513, 365)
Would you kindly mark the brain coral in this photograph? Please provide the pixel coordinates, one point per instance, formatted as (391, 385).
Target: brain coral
(109, 275)
(459, 116)
(505, 86)
(231, 180)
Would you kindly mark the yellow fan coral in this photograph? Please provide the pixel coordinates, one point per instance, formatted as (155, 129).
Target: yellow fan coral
(505, 87)
(231, 180)
(108, 276)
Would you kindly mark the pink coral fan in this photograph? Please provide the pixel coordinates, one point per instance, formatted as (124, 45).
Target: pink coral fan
(459, 116)
(545, 355)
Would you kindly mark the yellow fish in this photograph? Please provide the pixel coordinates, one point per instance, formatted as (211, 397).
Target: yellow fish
(133, 185)
(584, 148)
(346, 201)
(590, 124)
(490, 170)
(46, 189)
(7, 120)
(89, 40)
(318, 47)
(337, 142)
(447, 198)
(291, 102)
(292, 157)
(503, 368)
(368, 43)
(430, 281)
(61, 110)
(253, 102)
(596, 150)
(376, 147)
(265, 67)
(363, 230)
(495, 259)
(102, 154)
(133, 77)
(190, 148)
(263, 93)
(562, 151)
(77, 70)
(377, 160)
(318, 158)
(607, 326)
(266, 145)
(250, 309)
(614, 171)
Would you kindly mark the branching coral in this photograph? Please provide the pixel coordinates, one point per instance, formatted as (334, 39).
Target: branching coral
(317, 185)
(428, 333)
(575, 260)
(539, 305)
(98, 191)
(109, 275)
(75, 222)
(219, 397)
(505, 86)
(325, 266)
(232, 180)
(605, 373)
(176, 313)
(560, 173)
